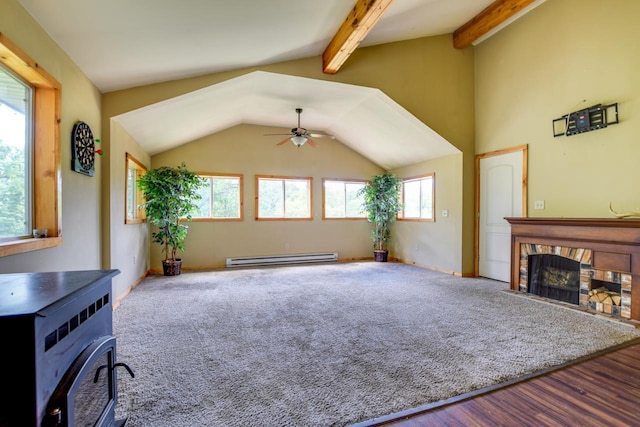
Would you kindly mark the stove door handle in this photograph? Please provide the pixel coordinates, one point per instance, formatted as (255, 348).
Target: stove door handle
(96, 377)
(125, 366)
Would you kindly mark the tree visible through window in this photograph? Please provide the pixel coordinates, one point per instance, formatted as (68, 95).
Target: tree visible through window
(133, 196)
(15, 156)
(418, 198)
(341, 199)
(221, 197)
(283, 198)
(29, 160)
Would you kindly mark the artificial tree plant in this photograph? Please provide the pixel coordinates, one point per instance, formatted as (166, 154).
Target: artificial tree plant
(170, 194)
(381, 201)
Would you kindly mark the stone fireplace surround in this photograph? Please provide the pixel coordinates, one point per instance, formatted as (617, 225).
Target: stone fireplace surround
(607, 250)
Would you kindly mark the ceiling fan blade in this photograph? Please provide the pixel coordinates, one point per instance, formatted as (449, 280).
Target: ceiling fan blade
(284, 141)
(321, 135)
(311, 142)
(271, 134)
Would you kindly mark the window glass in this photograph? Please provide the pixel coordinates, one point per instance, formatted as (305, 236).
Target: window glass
(341, 199)
(15, 156)
(221, 197)
(133, 196)
(283, 198)
(411, 193)
(353, 201)
(271, 198)
(132, 182)
(426, 198)
(296, 199)
(30, 100)
(418, 198)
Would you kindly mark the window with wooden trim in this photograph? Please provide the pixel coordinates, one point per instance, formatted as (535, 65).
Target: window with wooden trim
(222, 196)
(133, 196)
(283, 197)
(418, 198)
(16, 161)
(36, 170)
(340, 199)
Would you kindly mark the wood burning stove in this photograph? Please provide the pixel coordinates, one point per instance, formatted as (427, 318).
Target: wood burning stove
(60, 350)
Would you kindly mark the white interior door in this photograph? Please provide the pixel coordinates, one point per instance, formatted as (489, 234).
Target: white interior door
(500, 197)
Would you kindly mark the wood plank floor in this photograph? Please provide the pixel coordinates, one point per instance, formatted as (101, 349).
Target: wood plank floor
(601, 391)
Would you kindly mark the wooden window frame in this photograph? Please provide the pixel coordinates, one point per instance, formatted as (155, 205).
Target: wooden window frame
(223, 175)
(47, 177)
(431, 175)
(140, 169)
(346, 181)
(283, 178)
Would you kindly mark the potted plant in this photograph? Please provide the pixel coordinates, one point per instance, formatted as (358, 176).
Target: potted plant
(382, 203)
(170, 194)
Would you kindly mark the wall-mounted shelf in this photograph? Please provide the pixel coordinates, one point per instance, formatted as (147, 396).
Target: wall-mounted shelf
(595, 117)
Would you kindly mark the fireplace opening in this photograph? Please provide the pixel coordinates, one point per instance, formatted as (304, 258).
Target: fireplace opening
(554, 277)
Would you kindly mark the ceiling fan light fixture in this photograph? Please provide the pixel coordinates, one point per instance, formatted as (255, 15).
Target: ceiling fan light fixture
(298, 141)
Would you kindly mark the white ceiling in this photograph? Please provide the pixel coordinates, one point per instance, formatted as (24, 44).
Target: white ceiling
(120, 44)
(345, 111)
(123, 43)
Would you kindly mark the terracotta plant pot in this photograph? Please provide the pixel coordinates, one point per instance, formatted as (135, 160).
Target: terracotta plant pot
(172, 268)
(380, 256)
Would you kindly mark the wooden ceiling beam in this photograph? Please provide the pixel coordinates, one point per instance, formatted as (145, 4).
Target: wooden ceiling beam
(355, 28)
(495, 14)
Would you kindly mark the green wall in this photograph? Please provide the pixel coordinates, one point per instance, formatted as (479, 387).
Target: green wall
(563, 56)
(505, 92)
(244, 150)
(439, 244)
(81, 225)
(426, 76)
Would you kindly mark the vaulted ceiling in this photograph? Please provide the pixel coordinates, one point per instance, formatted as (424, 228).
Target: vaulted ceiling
(342, 110)
(120, 44)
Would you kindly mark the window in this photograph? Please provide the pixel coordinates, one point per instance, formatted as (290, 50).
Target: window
(133, 196)
(340, 199)
(16, 146)
(221, 198)
(34, 168)
(283, 197)
(418, 198)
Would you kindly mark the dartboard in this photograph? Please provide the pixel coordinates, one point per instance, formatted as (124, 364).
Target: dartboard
(82, 149)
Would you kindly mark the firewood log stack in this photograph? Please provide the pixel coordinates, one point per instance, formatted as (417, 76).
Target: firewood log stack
(604, 296)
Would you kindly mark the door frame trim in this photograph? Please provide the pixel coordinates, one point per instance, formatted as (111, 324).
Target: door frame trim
(525, 173)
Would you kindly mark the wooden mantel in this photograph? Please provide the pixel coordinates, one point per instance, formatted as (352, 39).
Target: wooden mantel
(614, 242)
(576, 222)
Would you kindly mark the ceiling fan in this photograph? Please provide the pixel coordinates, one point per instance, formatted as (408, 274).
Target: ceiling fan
(300, 135)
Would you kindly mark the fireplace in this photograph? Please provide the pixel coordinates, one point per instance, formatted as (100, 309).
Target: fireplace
(59, 348)
(555, 277)
(591, 263)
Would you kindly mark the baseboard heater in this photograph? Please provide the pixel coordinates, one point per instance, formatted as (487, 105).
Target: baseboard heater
(248, 261)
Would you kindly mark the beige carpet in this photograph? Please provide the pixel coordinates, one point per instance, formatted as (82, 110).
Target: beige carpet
(330, 345)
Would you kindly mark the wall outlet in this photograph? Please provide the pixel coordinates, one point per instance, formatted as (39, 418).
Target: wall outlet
(538, 204)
